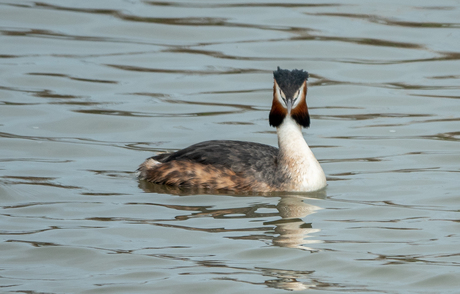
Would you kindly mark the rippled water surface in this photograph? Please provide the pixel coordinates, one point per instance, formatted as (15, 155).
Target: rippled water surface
(89, 89)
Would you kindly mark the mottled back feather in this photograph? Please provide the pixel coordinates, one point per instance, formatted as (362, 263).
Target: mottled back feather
(243, 163)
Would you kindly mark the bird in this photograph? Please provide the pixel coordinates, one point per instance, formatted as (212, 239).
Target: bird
(242, 167)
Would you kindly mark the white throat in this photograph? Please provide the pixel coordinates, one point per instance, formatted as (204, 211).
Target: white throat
(297, 159)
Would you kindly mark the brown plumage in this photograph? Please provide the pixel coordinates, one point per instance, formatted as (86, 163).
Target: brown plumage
(300, 113)
(278, 112)
(188, 174)
(216, 165)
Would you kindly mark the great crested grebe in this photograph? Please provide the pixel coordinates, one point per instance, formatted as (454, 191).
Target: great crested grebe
(245, 166)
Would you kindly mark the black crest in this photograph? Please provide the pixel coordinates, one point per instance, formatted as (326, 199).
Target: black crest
(290, 80)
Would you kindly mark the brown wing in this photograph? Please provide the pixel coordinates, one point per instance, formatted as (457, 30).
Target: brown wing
(189, 174)
(218, 165)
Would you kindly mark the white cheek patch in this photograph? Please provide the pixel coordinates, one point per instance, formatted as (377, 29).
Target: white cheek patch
(279, 96)
(298, 98)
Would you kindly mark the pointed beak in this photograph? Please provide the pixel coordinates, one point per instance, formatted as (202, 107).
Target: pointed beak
(289, 105)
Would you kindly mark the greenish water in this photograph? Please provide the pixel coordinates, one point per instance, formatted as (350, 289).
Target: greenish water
(89, 89)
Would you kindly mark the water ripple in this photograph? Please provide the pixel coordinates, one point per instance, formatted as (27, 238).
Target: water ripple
(391, 22)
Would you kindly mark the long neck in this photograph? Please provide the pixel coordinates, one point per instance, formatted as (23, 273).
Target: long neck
(297, 160)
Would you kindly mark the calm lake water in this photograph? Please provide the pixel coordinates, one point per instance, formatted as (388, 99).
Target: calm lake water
(89, 89)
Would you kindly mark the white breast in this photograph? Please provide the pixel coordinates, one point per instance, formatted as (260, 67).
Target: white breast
(299, 161)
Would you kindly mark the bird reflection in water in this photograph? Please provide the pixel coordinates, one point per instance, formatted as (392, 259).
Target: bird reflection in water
(290, 230)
